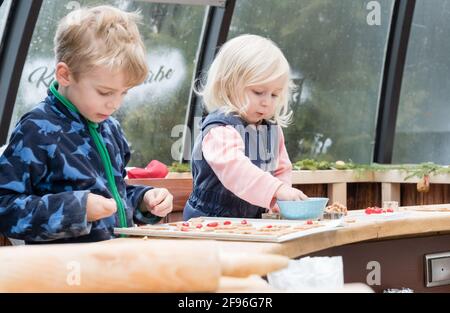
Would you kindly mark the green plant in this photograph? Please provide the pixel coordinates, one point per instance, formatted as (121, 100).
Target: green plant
(179, 167)
(426, 169)
(412, 170)
(309, 164)
(313, 165)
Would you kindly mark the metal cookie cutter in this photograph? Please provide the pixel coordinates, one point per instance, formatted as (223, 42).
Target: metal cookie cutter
(271, 216)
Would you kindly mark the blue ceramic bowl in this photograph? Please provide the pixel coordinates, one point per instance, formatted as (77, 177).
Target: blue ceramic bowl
(312, 208)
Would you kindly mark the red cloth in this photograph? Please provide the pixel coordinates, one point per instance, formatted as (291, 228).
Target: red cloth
(154, 169)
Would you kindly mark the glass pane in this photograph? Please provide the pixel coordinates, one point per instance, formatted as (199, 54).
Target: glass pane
(423, 130)
(171, 34)
(4, 10)
(336, 50)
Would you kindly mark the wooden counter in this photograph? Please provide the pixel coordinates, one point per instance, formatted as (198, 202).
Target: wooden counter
(408, 236)
(365, 228)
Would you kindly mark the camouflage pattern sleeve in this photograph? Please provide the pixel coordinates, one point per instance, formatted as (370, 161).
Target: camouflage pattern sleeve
(25, 213)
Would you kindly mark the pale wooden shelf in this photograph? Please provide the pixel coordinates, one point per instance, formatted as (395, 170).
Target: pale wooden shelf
(353, 176)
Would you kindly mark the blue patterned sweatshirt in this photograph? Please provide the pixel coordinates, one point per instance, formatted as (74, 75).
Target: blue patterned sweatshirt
(47, 171)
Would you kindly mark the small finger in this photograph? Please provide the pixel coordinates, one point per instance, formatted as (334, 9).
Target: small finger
(303, 196)
(167, 211)
(152, 198)
(163, 206)
(159, 196)
(276, 209)
(162, 212)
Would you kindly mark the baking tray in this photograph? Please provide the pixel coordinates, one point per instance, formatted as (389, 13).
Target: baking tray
(174, 233)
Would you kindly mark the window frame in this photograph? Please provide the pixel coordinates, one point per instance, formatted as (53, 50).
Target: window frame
(22, 18)
(8, 10)
(214, 33)
(217, 3)
(391, 81)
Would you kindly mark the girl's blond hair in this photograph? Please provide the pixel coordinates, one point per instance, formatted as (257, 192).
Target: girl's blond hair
(245, 61)
(102, 36)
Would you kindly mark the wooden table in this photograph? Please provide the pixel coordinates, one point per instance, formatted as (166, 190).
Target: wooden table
(397, 242)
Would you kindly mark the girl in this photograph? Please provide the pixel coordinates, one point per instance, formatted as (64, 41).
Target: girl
(239, 163)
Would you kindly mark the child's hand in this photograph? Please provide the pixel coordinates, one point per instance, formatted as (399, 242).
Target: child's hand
(158, 201)
(98, 207)
(285, 192)
(274, 209)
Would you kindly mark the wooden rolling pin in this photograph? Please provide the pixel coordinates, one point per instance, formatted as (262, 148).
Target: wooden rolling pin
(127, 267)
(134, 266)
(243, 264)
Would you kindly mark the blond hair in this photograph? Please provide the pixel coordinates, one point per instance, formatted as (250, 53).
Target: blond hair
(245, 61)
(102, 36)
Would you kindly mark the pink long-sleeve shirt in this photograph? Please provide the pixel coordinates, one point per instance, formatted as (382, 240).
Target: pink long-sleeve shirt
(224, 150)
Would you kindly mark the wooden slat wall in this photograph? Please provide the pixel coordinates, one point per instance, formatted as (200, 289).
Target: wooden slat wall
(316, 190)
(439, 193)
(4, 241)
(359, 195)
(363, 195)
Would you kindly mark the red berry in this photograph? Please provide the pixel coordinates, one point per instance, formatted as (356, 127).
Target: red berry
(390, 210)
(243, 222)
(227, 223)
(377, 210)
(269, 226)
(213, 224)
(309, 222)
(199, 226)
(368, 211)
(185, 224)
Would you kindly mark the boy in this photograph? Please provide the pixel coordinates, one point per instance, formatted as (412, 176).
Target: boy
(62, 174)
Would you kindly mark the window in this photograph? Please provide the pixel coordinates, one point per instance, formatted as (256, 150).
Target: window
(171, 33)
(4, 10)
(336, 51)
(423, 130)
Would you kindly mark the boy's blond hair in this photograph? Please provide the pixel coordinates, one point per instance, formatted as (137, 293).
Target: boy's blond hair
(245, 61)
(102, 36)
